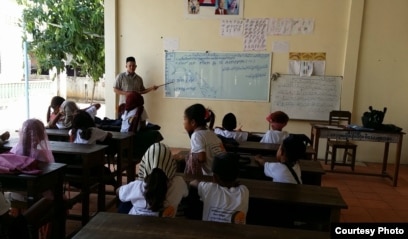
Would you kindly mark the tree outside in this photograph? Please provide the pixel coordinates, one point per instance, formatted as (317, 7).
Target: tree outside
(66, 34)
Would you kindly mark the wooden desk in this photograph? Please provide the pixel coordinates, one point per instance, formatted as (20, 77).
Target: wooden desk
(91, 156)
(273, 203)
(312, 171)
(51, 178)
(113, 225)
(320, 131)
(123, 143)
(261, 148)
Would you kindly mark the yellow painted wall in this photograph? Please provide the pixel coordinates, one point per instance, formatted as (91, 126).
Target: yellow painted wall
(382, 79)
(343, 29)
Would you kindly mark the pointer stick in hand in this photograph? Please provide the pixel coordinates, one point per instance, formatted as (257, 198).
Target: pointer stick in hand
(165, 84)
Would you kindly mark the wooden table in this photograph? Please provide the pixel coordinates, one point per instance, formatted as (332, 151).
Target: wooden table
(51, 178)
(261, 148)
(320, 131)
(273, 203)
(113, 225)
(123, 143)
(312, 171)
(91, 156)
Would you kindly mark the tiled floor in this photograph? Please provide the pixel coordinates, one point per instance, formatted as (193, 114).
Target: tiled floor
(369, 198)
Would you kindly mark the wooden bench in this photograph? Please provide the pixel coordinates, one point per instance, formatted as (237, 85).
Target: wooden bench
(130, 226)
(123, 142)
(254, 148)
(51, 178)
(91, 157)
(312, 171)
(288, 205)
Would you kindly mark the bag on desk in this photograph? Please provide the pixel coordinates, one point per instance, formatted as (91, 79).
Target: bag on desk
(373, 119)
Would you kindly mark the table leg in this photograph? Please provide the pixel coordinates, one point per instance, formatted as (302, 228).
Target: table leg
(315, 137)
(58, 228)
(119, 165)
(385, 158)
(86, 184)
(397, 161)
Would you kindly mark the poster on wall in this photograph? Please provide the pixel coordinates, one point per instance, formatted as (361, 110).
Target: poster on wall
(307, 63)
(216, 9)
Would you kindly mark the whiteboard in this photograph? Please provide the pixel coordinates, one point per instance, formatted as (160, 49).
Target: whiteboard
(218, 75)
(306, 98)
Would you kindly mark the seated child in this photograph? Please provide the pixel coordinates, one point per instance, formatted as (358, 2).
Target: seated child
(157, 191)
(33, 142)
(204, 142)
(287, 170)
(277, 121)
(92, 110)
(63, 120)
(134, 120)
(84, 130)
(134, 117)
(55, 105)
(4, 137)
(228, 130)
(224, 199)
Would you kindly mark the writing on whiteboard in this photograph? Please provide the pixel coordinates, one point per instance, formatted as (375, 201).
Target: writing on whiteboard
(227, 76)
(309, 98)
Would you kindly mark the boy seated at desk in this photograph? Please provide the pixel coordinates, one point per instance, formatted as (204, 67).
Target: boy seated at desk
(229, 130)
(224, 199)
(287, 170)
(277, 121)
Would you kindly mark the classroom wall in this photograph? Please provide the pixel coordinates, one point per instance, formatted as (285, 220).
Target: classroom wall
(382, 69)
(343, 29)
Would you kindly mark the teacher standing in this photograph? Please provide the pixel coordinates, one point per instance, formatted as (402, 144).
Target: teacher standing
(129, 81)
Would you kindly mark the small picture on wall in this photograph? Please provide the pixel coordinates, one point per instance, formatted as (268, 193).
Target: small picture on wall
(222, 9)
(207, 2)
(193, 7)
(227, 7)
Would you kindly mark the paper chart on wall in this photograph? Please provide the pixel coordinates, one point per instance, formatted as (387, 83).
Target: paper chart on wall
(255, 33)
(231, 28)
(290, 26)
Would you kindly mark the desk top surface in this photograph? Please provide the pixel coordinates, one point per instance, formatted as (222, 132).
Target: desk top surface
(345, 128)
(287, 193)
(46, 168)
(115, 225)
(64, 147)
(305, 165)
(250, 145)
(64, 133)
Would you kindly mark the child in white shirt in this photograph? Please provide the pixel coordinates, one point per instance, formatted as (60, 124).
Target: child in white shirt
(84, 130)
(287, 170)
(205, 144)
(135, 116)
(224, 199)
(228, 130)
(157, 191)
(277, 121)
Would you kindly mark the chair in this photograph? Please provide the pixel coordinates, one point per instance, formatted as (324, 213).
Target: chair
(350, 149)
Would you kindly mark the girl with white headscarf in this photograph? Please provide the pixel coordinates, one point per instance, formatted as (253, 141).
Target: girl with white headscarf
(157, 191)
